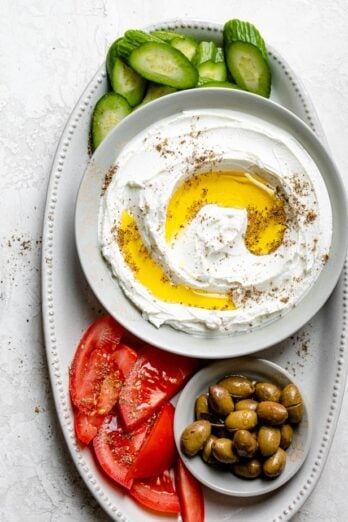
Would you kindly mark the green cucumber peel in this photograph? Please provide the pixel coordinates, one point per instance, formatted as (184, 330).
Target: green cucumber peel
(111, 56)
(167, 36)
(131, 40)
(206, 52)
(124, 48)
(219, 55)
(239, 31)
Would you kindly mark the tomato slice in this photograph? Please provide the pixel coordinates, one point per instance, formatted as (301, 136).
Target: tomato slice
(190, 494)
(125, 358)
(146, 451)
(158, 451)
(116, 448)
(155, 377)
(95, 376)
(99, 367)
(86, 426)
(156, 493)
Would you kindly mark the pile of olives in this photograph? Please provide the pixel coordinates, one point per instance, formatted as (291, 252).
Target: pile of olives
(245, 426)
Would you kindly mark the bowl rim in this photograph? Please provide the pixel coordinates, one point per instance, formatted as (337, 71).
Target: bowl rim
(166, 337)
(222, 368)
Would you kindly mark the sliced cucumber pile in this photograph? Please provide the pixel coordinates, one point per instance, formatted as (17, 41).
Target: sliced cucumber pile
(142, 67)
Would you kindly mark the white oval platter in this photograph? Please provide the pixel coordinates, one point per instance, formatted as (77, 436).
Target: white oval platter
(316, 355)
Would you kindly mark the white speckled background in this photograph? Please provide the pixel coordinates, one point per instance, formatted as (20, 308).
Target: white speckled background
(48, 52)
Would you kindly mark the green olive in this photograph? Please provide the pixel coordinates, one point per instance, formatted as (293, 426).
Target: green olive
(266, 391)
(194, 436)
(202, 407)
(244, 443)
(207, 450)
(292, 400)
(271, 413)
(246, 404)
(239, 387)
(286, 436)
(274, 465)
(295, 413)
(222, 450)
(220, 400)
(268, 438)
(249, 470)
(290, 396)
(241, 420)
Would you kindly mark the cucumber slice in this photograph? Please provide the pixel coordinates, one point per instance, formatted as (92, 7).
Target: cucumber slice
(213, 71)
(187, 46)
(155, 91)
(161, 63)
(132, 40)
(220, 55)
(248, 68)
(167, 36)
(238, 31)
(123, 79)
(226, 85)
(206, 52)
(108, 112)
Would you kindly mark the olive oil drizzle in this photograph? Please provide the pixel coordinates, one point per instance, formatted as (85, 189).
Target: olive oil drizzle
(151, 275)
(231, 189)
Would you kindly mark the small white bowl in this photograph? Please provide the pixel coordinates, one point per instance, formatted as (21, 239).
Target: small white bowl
(224, 481)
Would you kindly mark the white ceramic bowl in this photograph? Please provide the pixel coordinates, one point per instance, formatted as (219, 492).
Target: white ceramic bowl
(107, 289)
(224, 481)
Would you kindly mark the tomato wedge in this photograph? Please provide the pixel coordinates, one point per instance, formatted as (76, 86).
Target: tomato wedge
(146, 451)
(190, 494)
(86, 426)
(156, 493)
(125, 358)
(116, 449)
(95, 377)
(97, 373)
(158, 451)
(155, 377)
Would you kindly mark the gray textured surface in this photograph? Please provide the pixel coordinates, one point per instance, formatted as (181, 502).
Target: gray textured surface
(48, 52)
